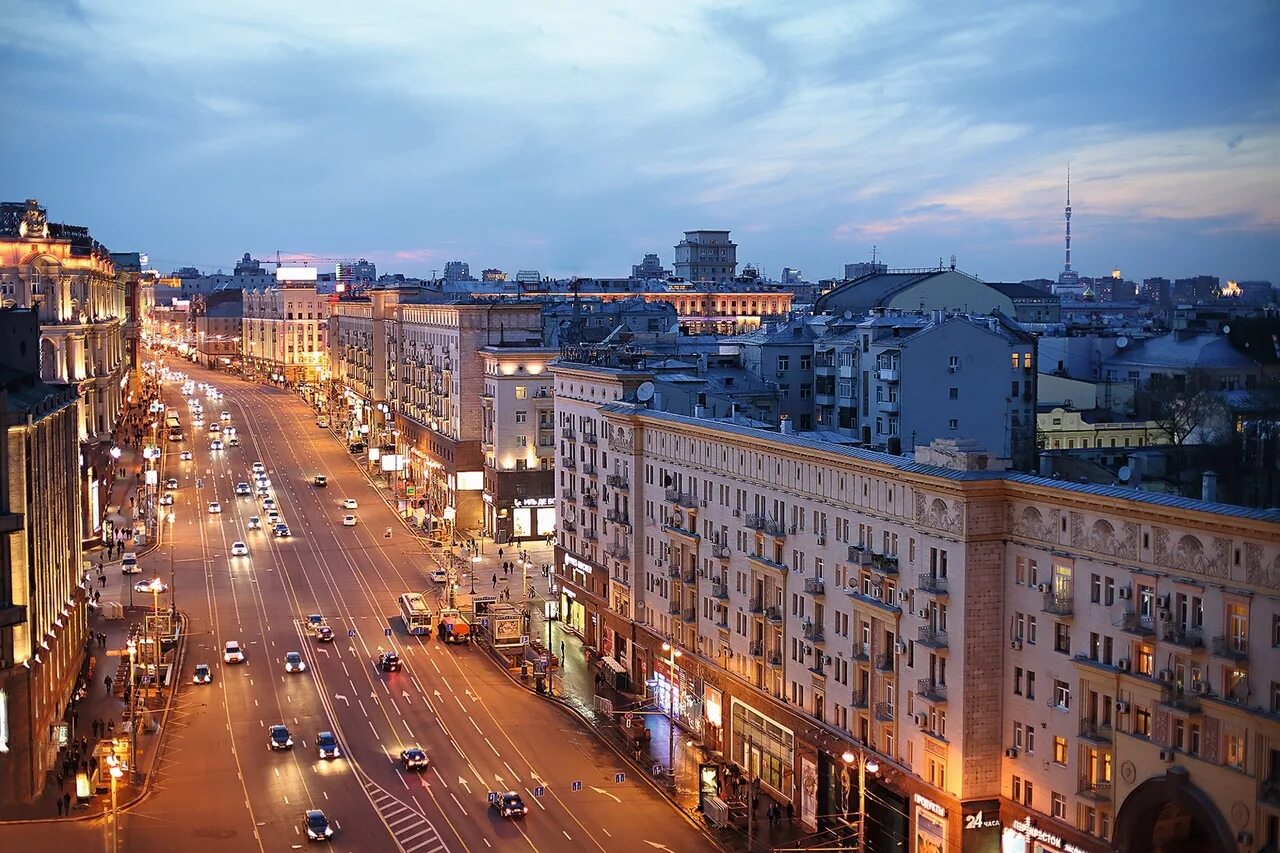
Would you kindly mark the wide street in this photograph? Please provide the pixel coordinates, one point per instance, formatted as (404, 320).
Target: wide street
(221, 788)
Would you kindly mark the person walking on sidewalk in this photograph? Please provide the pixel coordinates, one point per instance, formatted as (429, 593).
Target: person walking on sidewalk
(495, 580)
(107, 681)
(791, 812)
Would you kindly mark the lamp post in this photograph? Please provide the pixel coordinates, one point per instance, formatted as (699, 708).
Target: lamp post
(116, 773)
(866, 764)
(173, 585)
(132, 646)
(671, 712)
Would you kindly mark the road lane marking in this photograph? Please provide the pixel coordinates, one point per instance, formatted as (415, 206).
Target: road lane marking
(455, 799)
(513, 773)
(494, 748)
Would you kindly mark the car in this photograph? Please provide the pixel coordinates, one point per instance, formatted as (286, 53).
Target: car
(264, 482)
(234, 442)
(268, 504)
(214, 426)
(215, 445)
(273, 516)
(171, 483)
(232, 653)
(263, 491)
(254, 523)
(166, 499)
(280, 737)
(315, 621)
(348, 521)
(324, 634)
(280, 531)
(317, 825)
(327, 745)
(323, 423)
(226, 416)
(202, 675)
(413, 758)
(185, 456)
(239, 549)
(129, 564)
(148, 587)
(293, 662)
(320, 481)
(259, 468)
(508, 804)
(350, 503)
(439, 576)
(215, 508)
(389, 662)
(243, 489)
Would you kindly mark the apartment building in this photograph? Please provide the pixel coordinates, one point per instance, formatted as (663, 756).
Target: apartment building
(518, 440)
(217, 320)
(410, 373)
(283, 332)
(706, 255)
(1031, 664)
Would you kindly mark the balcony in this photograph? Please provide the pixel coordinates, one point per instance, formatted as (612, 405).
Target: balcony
(755, 522)
(689, 576)
(1178, 697)
(885, 564)
(768, 526)
(1134, 623)
(673, 572)
(617, 516)
(721, 552)
(765, 564)
(589, 469)
(674, 608)
(859, 699)
(813, 632)
(755, 606)
(569, 495)
(1095, 731)
(617, 481)
(589, 500)
(933, 584)
(890, 374)
(1180, 635)
(618, 551)
(890, 406)
(774, 659)
(1095, 789)
(931, 690)
(568, 463)
(589, 438)
(818, 670)
(814, 586)
(1231, 648)
(720, 589)
(568, 433)
(690, 614)
(884, 712)
(862, 652)
(590, 533)
(886, 662)
(1057, 603)
(756, 649)
(932, 637)
(773, 614)
(679, 498)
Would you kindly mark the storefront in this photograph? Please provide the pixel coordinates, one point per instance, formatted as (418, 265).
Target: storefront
(678, 694)
(763, 747)
(929, 826)
(533, 518)
(573, 614)
(1023, 836)
(713, 718)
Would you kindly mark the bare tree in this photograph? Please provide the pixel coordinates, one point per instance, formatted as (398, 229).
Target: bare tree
(1184, 407)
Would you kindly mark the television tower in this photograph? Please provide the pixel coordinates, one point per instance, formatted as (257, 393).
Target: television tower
(1068, 279)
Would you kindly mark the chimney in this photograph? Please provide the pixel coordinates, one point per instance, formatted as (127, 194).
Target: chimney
(1046, 465)
(1135, 471)
(786, 427)
(697, 412)
(1209, 487)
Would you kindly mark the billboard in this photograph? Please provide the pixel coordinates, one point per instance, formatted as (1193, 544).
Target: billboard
(296, 274)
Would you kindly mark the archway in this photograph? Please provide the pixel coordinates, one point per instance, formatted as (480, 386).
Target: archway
(1170, 815)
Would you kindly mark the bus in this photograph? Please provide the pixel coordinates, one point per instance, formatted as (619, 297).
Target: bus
(174, 426)
(416, 613)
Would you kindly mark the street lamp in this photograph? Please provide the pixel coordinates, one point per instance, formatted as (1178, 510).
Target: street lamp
(671, 711)
(866, 764)
(132, 646)
(116, 772)
(173, 585)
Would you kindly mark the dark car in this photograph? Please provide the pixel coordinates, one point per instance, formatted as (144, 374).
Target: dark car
(281, 530)
(413, 758)
(317, 825)
(389, 662)
(327, 745)
(320, 480)
(280, 738)
(508, 805)
(324, 634)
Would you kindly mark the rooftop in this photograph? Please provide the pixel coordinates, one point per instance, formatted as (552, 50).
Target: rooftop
(1179, 351)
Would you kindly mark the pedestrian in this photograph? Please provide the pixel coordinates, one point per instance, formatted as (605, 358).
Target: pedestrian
(66, 803)
(562, 651)
(111, 727)
(499, 553)
(108, 683)
(791, 812)
(495, 580)
(59, 806)
(94, 726)
(93, 764)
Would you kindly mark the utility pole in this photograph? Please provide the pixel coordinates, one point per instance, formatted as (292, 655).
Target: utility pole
(751, 793)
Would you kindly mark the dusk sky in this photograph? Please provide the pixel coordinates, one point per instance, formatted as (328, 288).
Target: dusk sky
(573, 137)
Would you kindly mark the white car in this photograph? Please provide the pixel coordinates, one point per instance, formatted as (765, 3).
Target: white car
(153, 585)
(215, 445)
(273, 516)
(129, 564)
(239, 549)
(226, 416)
(350, 503)
(259, 468)
(215, 508)
(171, 483)
(439, 576)
(264, 492)
(166, 499)
(293, 662)
(254, 523)
(348, 521)
(185, 456)
(202, 674)
(269, 504)
(243, 489)
(232, 653)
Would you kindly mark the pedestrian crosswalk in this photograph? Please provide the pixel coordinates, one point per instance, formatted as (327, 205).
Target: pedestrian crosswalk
(412, 832)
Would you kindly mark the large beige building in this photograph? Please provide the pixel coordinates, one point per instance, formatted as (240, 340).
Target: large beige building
(284, 330)
(1032, 665)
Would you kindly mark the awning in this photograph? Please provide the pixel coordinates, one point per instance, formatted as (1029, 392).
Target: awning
(611, 664)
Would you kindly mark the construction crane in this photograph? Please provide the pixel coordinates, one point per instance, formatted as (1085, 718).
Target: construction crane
(282, 258)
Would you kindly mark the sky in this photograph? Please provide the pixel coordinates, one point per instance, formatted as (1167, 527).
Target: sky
(573, 137)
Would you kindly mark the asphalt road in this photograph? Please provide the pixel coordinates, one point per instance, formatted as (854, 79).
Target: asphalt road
(221, 788)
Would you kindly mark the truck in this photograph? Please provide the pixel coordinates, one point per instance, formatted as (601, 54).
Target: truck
(453, 626)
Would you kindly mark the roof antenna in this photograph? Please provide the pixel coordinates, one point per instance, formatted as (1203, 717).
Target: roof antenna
(873, 257)
(953, 262)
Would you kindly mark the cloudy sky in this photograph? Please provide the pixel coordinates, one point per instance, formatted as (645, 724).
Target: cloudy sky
(573, 137)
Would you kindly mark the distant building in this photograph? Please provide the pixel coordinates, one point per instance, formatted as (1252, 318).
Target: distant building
(284, 332)
(357, 274)
(590, 321)
(1198, 288)
(493, 274)
(455, 271)
(650, 267)
(915, 290)
(217, 319)
(1031, 304)
(248, 266)
(791, 275)
(706, 256)
(782, 355)
(528, 276)
(864, 268)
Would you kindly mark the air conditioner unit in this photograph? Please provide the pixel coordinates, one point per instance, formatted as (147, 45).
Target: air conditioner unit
(1125, 593)
(1123, 664)
(1016, 643)
(903, 595)
(1165, 615)
(822, 540)
(1162, 601)
(1199, 687)
(1041, 587)
(1122, 706)
(1166, 755)
(900, 647)
(1166, 675)
(792, 530)
(922, 719)
(1011, 752)
(924, 614)
(737, 513)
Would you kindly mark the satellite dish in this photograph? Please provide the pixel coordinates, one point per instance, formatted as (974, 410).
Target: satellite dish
(848, 315)
(1124, 473)
(1226, 328)
(645, 392)
(1122, 342)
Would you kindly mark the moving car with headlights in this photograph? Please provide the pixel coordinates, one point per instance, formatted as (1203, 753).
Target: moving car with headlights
(268, 504)
(185, 456)
(254, 523)
(440, 575)
(280, 531)
(239, 549)
(215, 508)
(509, 805)
(226, 416)
(280, 737)
(263, 491)
(203, 675)
(232, 653)
(324, 634)
(151, 586)
(234, 442)
(317, 825)
(320, 481)
(389, 662)
(413, 758)
(171, 483)
(259, 468)
(243, 490)
(215, 445)
(327, 745)
(350, 503)
(293, 662)
(315, 621)
(129, 564)
(166, 499)
(348, 521)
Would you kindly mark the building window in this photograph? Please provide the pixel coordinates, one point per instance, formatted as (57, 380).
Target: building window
(1142, 721)
(1062, 638)
(522, 392)
(522, 440)
(1234, 753)
(953, 423)
(1017, 680)
(522, 417)
(1059, 750)
(953, 394)
(1031, 684)
(1059, 806)
(784, 362)
(1061, 695)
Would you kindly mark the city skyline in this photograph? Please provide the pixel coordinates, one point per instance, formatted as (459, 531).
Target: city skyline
(574, 141)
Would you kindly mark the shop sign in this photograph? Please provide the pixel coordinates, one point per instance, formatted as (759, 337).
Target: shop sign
(534, 501)
(930, 806)
(577, 565)
(1024, 826)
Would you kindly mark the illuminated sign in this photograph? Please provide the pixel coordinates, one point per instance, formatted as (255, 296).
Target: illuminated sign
(535, 501)
(929, 805)
(1024, 826)
(577, 565)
